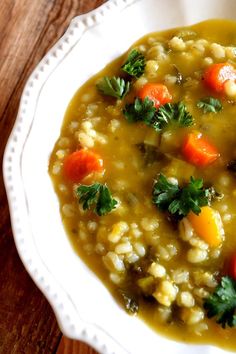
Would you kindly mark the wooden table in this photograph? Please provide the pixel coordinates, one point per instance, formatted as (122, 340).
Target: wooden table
(28, 28)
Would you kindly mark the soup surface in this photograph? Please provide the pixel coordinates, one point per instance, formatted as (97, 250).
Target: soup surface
(145, 172)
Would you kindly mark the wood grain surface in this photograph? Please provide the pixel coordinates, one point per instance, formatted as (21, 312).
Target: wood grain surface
(28, 28)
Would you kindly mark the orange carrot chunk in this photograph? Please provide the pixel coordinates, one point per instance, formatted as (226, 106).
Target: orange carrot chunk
(157, 93)
(198, 151)
(216, 75)
(207, 225)
(80, 164)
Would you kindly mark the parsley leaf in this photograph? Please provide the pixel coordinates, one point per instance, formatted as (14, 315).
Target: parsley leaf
(140, 111)
(179, 201)
(164, 193)
(105, 202)
(209, 104)
(144, 111)
(174, 113)
(135, 64)
(193, 197)
(96, 197)
(222, 303)
(88, 195)
(114, 86)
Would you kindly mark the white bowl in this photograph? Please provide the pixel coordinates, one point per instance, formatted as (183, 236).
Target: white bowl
(84, 307)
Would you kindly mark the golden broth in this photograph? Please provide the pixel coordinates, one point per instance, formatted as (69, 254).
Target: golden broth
(96, 122)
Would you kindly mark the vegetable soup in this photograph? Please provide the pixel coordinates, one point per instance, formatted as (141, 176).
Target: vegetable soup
(145, 172)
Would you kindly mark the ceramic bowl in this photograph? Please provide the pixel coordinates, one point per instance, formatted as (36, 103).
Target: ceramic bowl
(83, 306)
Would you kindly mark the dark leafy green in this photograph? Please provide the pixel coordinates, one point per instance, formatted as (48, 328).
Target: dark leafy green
(222, 303)
(174, 113)
(135, 64)
(114, 86)
(179, 201)
(170, 113)
(209, 105)
(96, 197)
(130, 302)
(140, 111)
(150, 153)
(164, 193)
(232, 166)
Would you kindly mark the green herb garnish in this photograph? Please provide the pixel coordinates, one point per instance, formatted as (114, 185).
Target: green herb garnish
(174, 113)
(178, 201)
(114, 86)
(209, 105)
(96, 197)
(140, 111)
(135, 64)
(144, 111)
(222, 303)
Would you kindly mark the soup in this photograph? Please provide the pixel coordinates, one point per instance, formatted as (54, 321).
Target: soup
(145, 172)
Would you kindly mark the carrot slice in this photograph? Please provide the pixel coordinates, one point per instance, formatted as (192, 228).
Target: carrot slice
(216, 75)
(198, 151)
(207, 225)
(80, 164)
(157, 93)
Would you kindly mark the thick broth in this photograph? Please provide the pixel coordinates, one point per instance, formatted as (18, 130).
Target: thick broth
(130, 177)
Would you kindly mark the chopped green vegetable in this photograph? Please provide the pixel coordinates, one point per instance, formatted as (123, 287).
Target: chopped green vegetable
(168, 196)
(144, 111)
(209, 105)
(88, 195)
(232, 166)
(164, 193)
(140, 111)
(174, 113)
(114, 86)
(135, 64)
(130, 303)
(105, 202)
(222, 303)
(96, 197)
(150, 153)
